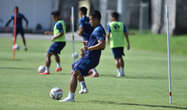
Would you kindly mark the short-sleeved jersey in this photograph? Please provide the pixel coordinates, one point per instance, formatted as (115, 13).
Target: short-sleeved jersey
(84, 22)
(97, 34)
(20, 18)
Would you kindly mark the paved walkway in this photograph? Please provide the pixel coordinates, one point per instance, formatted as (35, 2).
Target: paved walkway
(42, 36)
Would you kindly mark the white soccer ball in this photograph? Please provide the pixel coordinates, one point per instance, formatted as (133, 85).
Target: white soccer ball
(41, 69)
(56, 93)
(75, 55)
(16, 47)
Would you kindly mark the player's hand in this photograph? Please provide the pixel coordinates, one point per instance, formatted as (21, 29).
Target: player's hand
(6, 28)
(53, 38)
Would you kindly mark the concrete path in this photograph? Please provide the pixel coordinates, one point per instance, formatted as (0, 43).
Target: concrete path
(41, 36)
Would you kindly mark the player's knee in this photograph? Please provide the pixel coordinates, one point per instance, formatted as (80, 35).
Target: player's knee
(75, 73)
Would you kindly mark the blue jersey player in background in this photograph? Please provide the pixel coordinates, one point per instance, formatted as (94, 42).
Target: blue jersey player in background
(19, 25)
(85, 31)
(92, 53)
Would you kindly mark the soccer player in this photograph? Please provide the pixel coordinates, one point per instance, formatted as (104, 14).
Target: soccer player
(85, 30)
(117, 31)
(92, 51)
(59, 42)
(19, 27)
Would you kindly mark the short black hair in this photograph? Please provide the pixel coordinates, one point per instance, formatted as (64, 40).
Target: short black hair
(55, 13)
(115, 15)
(83, 10)
(96, 14)
(16, 7)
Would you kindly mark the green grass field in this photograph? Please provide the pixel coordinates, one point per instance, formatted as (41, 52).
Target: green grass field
(145, 86)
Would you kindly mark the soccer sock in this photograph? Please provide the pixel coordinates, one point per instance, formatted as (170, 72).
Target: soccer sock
(46, 69)
(71, 95)
(118, 71)
(25, 46)
(58, 65)
(83, 84)
(122, 70)
(94, 71)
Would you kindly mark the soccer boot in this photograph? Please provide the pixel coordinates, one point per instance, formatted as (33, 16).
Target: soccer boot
(83, 91)
(58, 69)
(67, 99)
(45, 73)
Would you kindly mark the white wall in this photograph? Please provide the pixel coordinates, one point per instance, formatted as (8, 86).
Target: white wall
(36, 11)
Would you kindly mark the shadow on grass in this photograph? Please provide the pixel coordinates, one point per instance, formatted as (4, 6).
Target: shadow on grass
(142, 105)
(10, 59)
(129, 76)
(16, 68)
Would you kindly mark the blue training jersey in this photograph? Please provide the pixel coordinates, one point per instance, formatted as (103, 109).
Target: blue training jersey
(20, 18)
(97, 34)
(84, 22)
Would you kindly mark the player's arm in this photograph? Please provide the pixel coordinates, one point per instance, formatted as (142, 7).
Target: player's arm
(127, 39)
(48, 32)
(8, 22)
(26, 21)
(126, 36)
(108, 37)
(98, 46)
(81, 29)
(58, 35)
(108, 34)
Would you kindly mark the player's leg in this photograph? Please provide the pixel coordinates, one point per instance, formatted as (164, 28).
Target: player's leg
(122, 66)
(117, 64)
(72, 87)
(82, 82)
(57, 49)
(47, 63)
(57, 59)
(23, 39)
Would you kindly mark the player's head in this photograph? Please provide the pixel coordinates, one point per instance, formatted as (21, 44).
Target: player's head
(95, 17)
(83, 11)
(16, 8)
(55, 15)
(115, 16)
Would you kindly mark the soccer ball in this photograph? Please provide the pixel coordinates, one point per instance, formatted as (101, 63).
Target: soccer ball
(41, 69)
(16, 47)
(56, 93)
(75, 55)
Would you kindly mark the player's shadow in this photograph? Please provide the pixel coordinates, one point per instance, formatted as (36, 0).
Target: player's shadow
(141, 105)
(16, 68)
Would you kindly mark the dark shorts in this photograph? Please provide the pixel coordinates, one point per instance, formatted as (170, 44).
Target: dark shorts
(19, 31)
(56, 47)
(118, 52)
(83, 65)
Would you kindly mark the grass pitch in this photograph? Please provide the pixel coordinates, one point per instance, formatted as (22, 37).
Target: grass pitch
(145, 86)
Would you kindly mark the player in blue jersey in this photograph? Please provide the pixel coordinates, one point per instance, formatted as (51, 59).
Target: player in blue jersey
(19, 25)
(85, 30)
(92, 53)
(59, 42)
